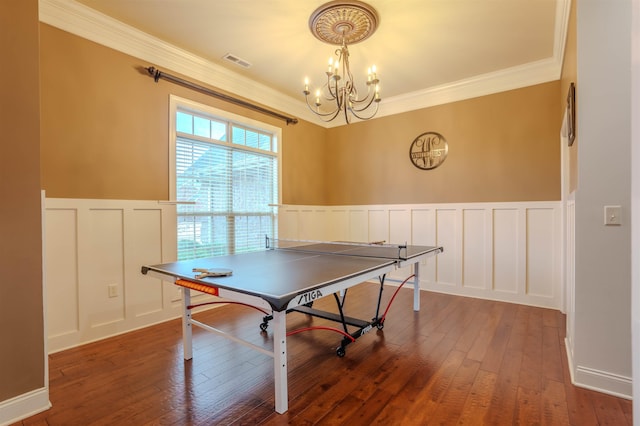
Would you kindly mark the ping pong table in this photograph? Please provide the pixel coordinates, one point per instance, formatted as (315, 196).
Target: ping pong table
(288, 276)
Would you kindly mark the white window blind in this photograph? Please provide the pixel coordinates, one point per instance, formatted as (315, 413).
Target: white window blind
(229, 172)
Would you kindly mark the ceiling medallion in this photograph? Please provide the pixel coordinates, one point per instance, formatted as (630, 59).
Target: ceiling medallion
(348, 21)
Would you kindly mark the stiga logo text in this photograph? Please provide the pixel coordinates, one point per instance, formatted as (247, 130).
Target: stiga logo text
(309, 297)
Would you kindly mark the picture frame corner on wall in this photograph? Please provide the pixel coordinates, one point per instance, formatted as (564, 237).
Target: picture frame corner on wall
(571, 113)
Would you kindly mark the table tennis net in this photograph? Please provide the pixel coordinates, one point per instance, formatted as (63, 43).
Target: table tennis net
(376, 249)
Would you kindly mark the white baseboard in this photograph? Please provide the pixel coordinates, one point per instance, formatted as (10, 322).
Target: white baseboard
(603, 381)
(597, 380)
(23, 406)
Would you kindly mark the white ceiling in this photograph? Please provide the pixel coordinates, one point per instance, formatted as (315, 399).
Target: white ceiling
(420, 45)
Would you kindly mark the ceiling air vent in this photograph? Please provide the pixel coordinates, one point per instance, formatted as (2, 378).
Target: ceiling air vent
(238, 61)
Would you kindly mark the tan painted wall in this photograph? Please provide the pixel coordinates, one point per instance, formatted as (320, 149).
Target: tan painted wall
(502, 147)
(105, 135)
(21, 306)
(304, 156)
(105, 127)
(570, 74)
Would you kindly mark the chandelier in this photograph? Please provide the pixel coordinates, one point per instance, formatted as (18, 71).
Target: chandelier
(342, 23)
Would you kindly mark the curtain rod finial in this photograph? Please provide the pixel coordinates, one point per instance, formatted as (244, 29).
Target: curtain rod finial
(154, 72)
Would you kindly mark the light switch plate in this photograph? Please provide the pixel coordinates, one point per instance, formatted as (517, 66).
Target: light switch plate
(612, 215)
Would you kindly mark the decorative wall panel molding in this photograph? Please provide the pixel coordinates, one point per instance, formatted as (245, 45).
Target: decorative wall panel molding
(94, 250)
(499, 251)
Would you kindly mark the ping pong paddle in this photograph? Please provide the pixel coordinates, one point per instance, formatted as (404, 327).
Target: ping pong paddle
(213, 272)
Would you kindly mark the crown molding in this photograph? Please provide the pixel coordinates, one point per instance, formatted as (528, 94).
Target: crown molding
(481, 85)
(78, 19)
(563, 10)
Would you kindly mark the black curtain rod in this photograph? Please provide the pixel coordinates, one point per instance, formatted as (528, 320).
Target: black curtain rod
(157, 75)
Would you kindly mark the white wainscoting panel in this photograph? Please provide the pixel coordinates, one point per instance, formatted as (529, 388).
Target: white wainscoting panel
(338, 229)
(61, 239)
(313, 223)
(358, 225)
(423, 233)
(101, 265)
(542, 254)
(92, 245)
(423, 228)
(505, 251)
(287, 222)
(378, 225)
(144, 246)
(473, 249)
(449, 267)
(474, 262)
(399, 226)
(498, 251)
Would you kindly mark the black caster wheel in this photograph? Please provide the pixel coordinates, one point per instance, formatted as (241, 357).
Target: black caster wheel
(263, 326)
(380, 326)
(341, 351)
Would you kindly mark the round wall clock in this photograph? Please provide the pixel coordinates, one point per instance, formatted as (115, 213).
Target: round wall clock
(428, 150)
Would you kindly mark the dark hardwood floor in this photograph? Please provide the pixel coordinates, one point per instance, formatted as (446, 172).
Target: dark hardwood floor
(457, 361)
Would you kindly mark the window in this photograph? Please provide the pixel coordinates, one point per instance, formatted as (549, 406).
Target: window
(226, 178)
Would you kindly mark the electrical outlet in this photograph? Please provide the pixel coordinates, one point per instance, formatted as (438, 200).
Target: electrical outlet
(113, 290)
(612, 215)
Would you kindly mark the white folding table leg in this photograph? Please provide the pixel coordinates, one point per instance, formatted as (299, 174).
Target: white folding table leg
(280, 360)
(416, 286)
(186, 324)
